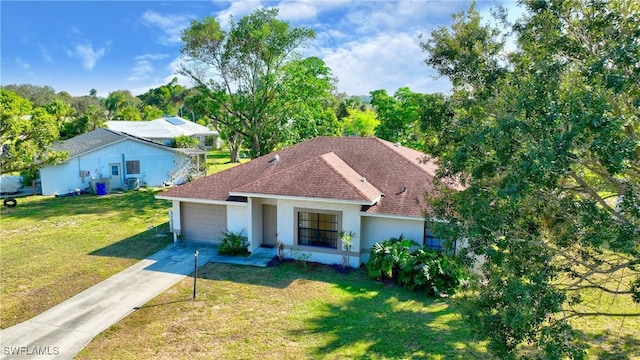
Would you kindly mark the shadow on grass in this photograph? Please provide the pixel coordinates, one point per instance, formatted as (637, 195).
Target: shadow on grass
(133, 203)
(279, 278)
(614, 345)
(217, 157)
(388, 322)
(139, 246)
(367, 318)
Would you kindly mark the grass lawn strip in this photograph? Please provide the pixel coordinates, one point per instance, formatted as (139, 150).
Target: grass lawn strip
(288, 313)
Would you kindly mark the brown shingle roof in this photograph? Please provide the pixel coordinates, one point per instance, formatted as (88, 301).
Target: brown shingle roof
(330, 168)
(325, 177)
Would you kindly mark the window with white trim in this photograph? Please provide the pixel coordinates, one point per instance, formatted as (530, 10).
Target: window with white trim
(133, 167)
(317, 228)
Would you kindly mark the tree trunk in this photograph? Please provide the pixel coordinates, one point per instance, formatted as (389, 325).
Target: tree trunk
(255, 146)
(234, 147)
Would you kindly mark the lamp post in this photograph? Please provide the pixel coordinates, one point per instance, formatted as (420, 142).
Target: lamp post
(195, 272)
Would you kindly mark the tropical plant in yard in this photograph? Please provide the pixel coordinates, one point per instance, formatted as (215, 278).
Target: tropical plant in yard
(416, 268)
(388, 256)
(184, 141)
(234, 243)
(434, 272)
(346, 237)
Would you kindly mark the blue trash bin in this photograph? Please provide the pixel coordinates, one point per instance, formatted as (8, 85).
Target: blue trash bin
(101, 188)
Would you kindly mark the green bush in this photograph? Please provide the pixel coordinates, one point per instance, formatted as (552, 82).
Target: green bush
(233, 244)
(387, 257)
(184, 141)
(433, 272)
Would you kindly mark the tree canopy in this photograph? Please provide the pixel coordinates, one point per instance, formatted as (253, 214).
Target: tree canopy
(168, 98)
(252, 73)
(405, 116)
(25, 134)
(121, 105)
(544, 140)
(359, 122)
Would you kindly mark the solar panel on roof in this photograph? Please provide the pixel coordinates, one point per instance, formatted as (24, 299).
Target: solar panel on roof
(175, 121)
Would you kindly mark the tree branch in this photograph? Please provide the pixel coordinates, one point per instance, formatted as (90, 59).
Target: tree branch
(594, 195)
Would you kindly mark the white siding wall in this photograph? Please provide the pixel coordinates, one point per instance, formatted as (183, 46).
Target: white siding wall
(155, 165)
(286, 228)
(376, 229)
(255, 223)
(237, 218)
(63, 178)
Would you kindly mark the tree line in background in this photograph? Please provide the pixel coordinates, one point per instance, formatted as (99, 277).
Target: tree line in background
(542, 137)
(33, 117)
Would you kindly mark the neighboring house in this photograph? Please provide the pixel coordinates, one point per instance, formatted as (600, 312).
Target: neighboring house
(164, 130)
(120, 160)
(304, 195)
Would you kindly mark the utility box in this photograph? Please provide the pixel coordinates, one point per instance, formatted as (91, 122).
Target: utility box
(133, 183)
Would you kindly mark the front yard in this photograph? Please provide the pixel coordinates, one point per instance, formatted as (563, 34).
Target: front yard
(53, 248)
(286, 312)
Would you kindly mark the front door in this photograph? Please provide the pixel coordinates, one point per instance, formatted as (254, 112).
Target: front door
(269, 225)
(116, 176)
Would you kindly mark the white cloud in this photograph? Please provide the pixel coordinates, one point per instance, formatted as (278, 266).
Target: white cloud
(82, 48)
(87, 55)
(144, 66)
(173, 68)
(46, 55)
(383, 62)
(237, 10)
(170, 25)
(300, 10)
(25, 66)
(165, 76)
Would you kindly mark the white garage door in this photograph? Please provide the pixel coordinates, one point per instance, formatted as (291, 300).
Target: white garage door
(202, 222)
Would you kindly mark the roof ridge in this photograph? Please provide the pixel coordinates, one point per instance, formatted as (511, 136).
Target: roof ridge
(356, 188)
(390, 146)
(267, 176)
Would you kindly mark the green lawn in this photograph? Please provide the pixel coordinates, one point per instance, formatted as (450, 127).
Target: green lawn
(219, 160)
(286, 312)
(610, 337)
(53, 248)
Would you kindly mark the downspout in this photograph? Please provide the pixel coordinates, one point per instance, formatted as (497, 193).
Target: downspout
(123, 175)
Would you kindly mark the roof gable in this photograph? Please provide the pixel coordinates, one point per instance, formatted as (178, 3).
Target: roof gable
(88, 142)
(100, 138)
(325, 177)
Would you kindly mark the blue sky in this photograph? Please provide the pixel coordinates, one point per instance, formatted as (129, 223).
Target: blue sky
(75, 46)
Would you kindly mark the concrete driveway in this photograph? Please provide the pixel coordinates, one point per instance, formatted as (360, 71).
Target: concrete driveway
(62, 331)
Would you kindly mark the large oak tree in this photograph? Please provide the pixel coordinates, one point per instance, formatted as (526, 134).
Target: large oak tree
(545, 140)
(406, 115)
(26, 134)
(252, 73)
